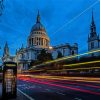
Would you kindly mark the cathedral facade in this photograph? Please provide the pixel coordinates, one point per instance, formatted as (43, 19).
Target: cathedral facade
(36, 41)
(93, 39)
(6, 54)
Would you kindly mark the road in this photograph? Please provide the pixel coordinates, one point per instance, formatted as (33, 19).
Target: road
(59, 88)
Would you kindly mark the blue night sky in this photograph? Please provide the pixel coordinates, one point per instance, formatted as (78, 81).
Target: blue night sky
(56, 15)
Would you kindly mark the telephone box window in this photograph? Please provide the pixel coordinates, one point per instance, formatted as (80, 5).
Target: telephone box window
(9, 88)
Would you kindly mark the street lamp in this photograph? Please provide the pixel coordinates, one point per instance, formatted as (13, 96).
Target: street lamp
(50, 49)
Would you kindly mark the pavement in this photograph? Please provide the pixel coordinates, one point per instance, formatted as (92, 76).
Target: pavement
(20, 95)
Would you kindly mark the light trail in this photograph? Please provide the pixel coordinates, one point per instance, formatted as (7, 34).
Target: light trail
(73, 83)
(62, 70)
(82, 63)
(73, 69)
(61, 27)
(60, 86)
(64, 58)
(78, 79)
(69, 82)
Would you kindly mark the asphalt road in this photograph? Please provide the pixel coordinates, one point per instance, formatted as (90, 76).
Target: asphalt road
(36, 88)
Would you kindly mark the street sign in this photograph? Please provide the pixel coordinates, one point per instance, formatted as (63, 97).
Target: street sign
(9, 88)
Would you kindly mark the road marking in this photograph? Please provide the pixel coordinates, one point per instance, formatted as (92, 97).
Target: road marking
(30, 98)
(29, 87)
(60, 93)
(48, 90)
(78, 99)
(22, 85)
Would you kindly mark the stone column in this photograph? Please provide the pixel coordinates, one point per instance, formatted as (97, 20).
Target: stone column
(42, 41)
(32, 41)
(35, 40)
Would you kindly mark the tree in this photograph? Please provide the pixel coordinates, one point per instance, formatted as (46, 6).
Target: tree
(44, 56)
(59, 54)
(49, 56)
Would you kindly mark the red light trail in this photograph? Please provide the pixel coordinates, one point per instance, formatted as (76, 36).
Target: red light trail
(32, 80)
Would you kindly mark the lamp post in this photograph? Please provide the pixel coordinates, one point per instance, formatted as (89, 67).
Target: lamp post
(50, 49)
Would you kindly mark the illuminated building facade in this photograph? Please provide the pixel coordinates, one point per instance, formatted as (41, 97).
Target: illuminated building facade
(93, 39)
(6, 54)
(65, 50)
(38, 40)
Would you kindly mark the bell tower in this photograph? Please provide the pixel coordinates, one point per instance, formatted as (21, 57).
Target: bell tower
(6, 50)
(93, 37)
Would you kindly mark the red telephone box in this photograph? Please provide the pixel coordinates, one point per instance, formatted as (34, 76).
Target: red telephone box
(9, 84)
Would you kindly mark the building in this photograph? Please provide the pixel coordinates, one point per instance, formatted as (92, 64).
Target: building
(38, 40)
(65, 50)
(6, 54)
(93, 39)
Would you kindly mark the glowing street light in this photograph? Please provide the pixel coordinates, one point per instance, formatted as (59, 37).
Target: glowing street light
(50, 47)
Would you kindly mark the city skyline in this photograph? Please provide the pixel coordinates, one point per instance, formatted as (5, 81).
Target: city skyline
(50, 49)
(27, 18)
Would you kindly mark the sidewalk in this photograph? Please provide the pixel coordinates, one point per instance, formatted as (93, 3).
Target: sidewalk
(20, 96)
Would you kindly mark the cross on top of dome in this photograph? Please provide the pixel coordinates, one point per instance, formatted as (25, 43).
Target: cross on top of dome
(38, 26)
(38, 17)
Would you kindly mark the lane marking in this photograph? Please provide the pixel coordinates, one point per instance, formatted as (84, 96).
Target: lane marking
(78, 99)
(30, 98)
(30, 87)
(48, 90)
(60, 93)
(22, 85)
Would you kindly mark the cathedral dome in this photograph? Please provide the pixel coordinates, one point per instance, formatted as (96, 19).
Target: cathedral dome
(37, 27)
(38, 36)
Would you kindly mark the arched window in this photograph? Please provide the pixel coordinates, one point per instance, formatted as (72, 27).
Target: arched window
(27, 55)
(22, 56)
(32, 41)
(73, 53)
(35, 40)
(92, 45)
(92, 54)
(39, 41)
(42, 41)
(29, 41)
